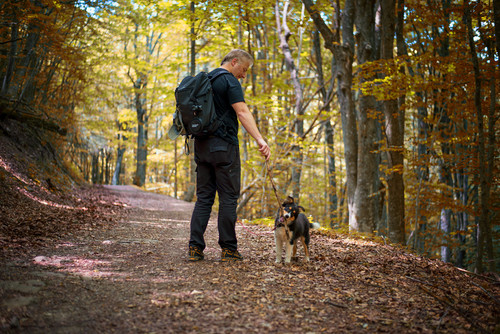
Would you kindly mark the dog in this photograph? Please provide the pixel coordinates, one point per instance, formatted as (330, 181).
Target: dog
(298, 229)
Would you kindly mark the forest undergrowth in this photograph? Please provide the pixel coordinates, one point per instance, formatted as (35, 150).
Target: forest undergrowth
(81, 259)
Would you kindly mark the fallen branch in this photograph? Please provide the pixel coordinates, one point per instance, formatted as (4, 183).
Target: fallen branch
(328, 301)
(488, 293)
(477, 275)
(455, 308)
(427, 283)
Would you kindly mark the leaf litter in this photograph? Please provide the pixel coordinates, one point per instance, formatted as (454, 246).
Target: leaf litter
(121, 266)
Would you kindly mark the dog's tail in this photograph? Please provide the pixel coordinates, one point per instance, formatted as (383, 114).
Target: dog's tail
(314, 225)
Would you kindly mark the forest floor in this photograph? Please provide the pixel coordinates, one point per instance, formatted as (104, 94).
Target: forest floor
(127, 272)
(77, 259)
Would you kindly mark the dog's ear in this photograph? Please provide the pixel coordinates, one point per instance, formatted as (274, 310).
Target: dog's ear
(289, 200)
(302, 208)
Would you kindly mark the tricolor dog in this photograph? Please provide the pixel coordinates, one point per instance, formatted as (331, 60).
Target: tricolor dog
(298, 229)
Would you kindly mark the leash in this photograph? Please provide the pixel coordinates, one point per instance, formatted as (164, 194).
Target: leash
(277, 197)
(274, 187)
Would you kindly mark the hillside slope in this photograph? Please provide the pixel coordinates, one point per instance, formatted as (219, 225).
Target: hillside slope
(40, 199)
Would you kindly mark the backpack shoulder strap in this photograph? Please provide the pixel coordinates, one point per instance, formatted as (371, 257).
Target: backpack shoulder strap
(220, 118)
(218, 74)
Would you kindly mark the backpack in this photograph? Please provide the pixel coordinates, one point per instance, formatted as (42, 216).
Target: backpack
(195, 114)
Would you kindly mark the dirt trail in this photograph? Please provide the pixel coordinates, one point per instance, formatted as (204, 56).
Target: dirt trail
(135, 278)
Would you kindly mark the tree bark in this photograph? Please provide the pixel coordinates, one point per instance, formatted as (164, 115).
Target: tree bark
(120, 152)
(394, 134)
(484, 229)
(343, 55)
(142, 132)
(12, 56)
(284, 35)
(191, 186)
(445, 226)
(119, 159)
(492, 149)
(363, 209)
(329, 131)
(95, 167)
(496, 15)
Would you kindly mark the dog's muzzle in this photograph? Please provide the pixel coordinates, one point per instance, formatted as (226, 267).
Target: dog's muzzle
(280, 222)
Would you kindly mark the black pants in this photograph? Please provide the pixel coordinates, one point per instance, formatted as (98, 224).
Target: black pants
(218, 170)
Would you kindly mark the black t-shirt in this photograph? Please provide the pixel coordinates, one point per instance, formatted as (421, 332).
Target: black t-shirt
(227, 91)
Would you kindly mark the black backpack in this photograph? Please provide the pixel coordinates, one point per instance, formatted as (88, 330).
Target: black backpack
(195, 114)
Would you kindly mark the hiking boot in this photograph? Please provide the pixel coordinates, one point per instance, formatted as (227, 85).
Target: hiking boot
(195, 254)
(229, 255)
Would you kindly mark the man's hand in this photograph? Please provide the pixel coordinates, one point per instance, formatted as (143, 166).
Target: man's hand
(264, 148)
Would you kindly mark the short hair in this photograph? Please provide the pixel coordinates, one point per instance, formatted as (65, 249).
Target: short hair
(239, 54)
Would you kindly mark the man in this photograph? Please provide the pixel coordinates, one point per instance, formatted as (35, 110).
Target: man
(218, 159)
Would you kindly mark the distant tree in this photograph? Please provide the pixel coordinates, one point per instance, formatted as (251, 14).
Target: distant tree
(485, 148)
(394, 132)
(359, 129)
(284, 35)
(326, 90)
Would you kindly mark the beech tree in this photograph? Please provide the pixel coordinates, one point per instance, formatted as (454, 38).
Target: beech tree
(359, 128)
(141, 42)
(284, 35)
(486, 148)
(394, 132)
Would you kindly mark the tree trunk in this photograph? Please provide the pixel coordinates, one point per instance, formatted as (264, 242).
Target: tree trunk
(343, 55)
(444, 125)
(484, 228)
(462, 217)
(120, 152)
(191, 186)
(102, 167)
(95, 167)
(26, 61)
(12, 56)
(284, 35)
(142, 133)
(119, 159)
(445, 226)
(496, 15)
(329, 131)
(332, 182)
(491, 151)
(394, 134)
(363, 209)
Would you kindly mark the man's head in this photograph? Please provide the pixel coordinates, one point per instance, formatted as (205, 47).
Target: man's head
(237, 62)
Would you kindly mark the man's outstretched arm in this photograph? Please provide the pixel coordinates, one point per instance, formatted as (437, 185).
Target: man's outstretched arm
(248, 122)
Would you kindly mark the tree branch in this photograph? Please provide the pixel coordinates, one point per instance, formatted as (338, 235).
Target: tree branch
(12, 40)
(322, 27)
